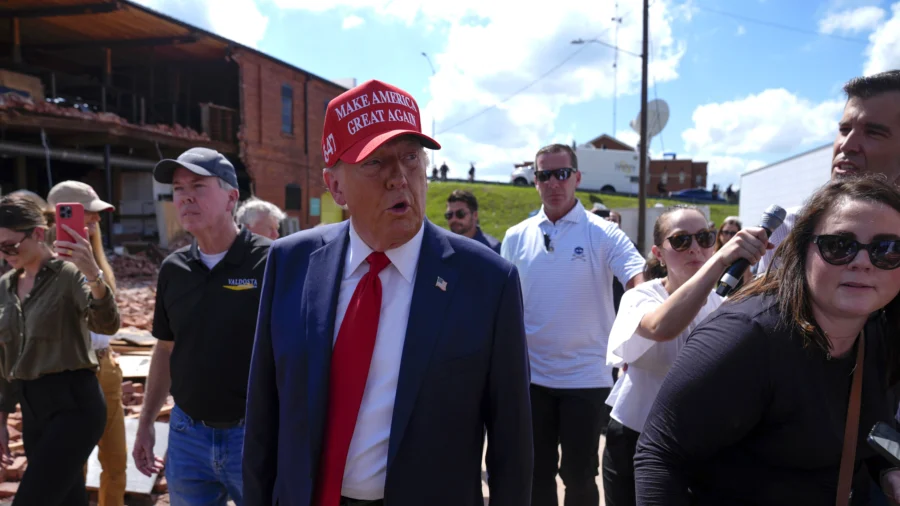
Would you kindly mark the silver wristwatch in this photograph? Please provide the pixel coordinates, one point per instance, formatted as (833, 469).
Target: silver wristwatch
(98, 280)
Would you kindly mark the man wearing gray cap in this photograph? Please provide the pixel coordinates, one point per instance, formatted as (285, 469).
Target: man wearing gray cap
(207, 299)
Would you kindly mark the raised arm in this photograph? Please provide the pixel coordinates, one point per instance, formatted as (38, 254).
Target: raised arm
(674, 315)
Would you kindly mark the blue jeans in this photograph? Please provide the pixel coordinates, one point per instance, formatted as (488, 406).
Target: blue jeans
(203, 466)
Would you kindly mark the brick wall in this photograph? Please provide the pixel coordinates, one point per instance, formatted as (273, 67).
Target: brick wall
(272, 157)
(694, 175)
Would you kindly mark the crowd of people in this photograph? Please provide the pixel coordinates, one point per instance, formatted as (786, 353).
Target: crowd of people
(369, 362)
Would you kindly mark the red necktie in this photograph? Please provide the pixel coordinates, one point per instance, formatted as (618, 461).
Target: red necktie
(350, 362)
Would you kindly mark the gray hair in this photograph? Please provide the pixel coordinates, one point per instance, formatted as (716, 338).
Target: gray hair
(253, 209)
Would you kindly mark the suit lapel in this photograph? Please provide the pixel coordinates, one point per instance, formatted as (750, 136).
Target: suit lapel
(320, 291)
(426, 317)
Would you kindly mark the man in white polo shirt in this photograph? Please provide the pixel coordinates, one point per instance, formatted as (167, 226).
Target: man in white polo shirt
(567, 258)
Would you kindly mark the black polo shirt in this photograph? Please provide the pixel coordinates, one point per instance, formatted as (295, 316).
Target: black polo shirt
(211, 317)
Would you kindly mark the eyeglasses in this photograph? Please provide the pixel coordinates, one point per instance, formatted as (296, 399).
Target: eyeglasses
(13, 249)
(729, 233)
(460, 214)
(560, 174)
(681, 242)
(841, 250)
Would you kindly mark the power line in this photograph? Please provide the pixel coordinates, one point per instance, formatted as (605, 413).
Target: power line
(778, 25)
(520, 90)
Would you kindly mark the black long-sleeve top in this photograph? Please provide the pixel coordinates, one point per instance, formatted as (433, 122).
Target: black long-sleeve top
(749, 416)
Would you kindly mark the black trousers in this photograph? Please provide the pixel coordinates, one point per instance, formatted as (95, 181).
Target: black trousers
(63, 417)
(572, 419)
(618, 464)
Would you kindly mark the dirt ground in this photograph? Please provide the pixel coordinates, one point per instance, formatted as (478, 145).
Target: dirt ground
(163, 500)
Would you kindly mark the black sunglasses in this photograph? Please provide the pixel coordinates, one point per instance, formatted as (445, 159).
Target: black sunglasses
(728, 232)
(13, 249)
(841, 250)
(560, 174)
(460, 214)
(681, 242)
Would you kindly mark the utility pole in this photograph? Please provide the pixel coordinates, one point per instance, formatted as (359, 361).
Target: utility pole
(642, 178)
(433, 160)
(618, 21)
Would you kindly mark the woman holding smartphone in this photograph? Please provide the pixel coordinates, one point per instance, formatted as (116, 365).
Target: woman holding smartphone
(653, 323)
(112, 449)
(48, 306)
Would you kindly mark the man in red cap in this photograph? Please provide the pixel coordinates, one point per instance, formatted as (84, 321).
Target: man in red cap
(366, 388)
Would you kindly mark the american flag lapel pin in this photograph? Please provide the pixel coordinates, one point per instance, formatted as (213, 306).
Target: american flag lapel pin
(440, 283)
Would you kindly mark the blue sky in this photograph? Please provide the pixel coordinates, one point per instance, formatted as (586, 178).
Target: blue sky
(742, 92)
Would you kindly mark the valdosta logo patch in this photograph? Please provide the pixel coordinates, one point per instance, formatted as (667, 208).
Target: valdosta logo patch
(238, 284)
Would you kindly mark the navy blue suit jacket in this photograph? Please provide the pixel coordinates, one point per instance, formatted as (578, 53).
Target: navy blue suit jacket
(464, 369)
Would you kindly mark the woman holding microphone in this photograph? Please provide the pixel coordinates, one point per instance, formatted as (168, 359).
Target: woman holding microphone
(653, 323)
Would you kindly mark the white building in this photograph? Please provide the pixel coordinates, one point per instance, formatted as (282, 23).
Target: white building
(787, 183)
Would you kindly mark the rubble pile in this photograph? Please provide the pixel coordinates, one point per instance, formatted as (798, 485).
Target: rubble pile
(18, 104)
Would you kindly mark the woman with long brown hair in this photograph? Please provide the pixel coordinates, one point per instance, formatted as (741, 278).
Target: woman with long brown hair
(653, 323)
(112, 449)
(755, 408)
(48, 306)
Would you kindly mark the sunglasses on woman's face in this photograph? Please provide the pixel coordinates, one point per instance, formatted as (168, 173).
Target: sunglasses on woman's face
(12, 249)
(729, 233)
(681, 242)
(560, 174)
(841, 250)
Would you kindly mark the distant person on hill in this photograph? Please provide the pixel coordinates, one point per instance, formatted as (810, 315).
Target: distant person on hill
(462, 217)
(444, 171)
(472, 171)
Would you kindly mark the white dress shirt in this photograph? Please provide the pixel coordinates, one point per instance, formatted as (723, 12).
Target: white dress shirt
(568, 293)
(364, 474)
(648, 361)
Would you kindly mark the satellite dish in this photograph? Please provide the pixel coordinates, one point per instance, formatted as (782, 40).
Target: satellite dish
(657, 117)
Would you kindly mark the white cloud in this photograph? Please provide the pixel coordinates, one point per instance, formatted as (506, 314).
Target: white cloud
(883, 52)
(352, 21)
(770, 122)
(851, 21)
(238, 20)
(740, 30)
(474, 73)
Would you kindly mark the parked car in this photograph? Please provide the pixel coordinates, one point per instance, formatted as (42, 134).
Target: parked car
(696, 194)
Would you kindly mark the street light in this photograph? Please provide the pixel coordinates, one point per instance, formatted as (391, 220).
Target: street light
(433, 161)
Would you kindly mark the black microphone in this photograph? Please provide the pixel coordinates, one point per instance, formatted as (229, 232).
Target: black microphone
(771, 220)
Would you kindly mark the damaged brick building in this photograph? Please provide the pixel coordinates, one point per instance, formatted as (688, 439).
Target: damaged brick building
(99, 91)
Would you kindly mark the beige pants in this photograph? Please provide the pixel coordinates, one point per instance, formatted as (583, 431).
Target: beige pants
(113, 452)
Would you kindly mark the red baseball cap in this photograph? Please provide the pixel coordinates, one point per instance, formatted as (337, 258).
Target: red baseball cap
(361, 119)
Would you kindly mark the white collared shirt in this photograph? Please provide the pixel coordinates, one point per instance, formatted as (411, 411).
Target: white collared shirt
(568, 293)
(364, 474)
(648, 361)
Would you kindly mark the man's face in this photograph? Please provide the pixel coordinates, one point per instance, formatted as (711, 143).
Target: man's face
(200, 201)
(385, 193)
(266, 226)
(557, 196)
(868, 137)
(615, 218)
(464, 225)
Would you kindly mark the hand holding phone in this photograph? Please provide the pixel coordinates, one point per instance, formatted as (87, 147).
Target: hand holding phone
(72, 215)
(886, 441)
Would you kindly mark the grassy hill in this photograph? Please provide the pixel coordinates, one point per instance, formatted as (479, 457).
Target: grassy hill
(502, 206)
